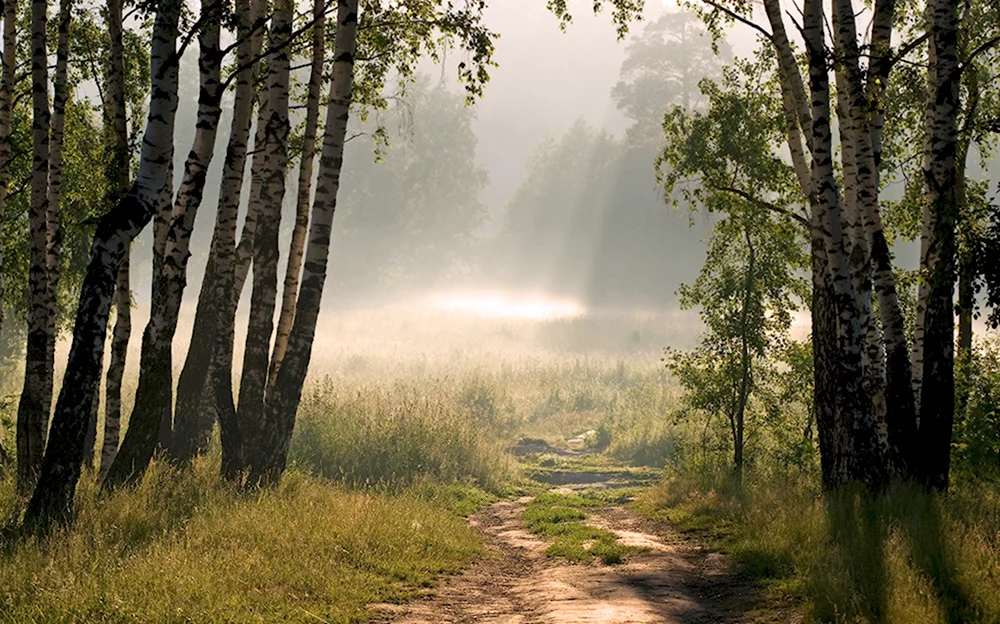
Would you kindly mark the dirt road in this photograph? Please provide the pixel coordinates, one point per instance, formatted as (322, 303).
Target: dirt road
(671, 580)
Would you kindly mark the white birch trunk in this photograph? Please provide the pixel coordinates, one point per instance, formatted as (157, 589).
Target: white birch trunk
(150, 418)
(260, 325)
(297, 247)
(53, 497)
(279, 416)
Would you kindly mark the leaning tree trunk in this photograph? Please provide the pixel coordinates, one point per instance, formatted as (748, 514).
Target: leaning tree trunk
(6, 103)
(279, 414)
(297, 246)
(36, 397)
(154, 393)
(117, 174)
(260, 324)
(191, 429)
(53, 497)
(934, 337)
(116, 368)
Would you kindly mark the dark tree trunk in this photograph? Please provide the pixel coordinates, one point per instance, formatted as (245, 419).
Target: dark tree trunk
(36, 396)
(155, 392)
(6, 109)
(935, 350)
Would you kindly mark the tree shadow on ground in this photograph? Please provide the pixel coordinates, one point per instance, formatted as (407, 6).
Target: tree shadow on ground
(882, 549)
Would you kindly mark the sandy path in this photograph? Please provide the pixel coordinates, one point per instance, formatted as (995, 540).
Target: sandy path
(673, 581)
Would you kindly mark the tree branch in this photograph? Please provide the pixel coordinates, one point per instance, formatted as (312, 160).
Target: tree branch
(763, 204)
(740, 18)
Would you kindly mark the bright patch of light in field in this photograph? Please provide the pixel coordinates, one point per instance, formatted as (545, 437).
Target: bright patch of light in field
(508, 307)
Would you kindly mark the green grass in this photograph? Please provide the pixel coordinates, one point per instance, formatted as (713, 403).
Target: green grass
(184, 548)
(905, 556)
(398, 435)
(560, 517)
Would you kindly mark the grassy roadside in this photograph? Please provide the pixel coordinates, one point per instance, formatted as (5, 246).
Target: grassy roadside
(904, 557)
(185, 548)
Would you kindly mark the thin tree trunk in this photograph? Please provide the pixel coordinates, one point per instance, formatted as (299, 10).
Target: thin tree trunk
(118, 176)
(36, 397)
(53, 497)
(116, 368)
(154, 393)
(282, 404)
(57, 131)
(934, 336)
(90, 440)
(744, 390)
(297, 247)
(194, 395)
(260, 325)
(6, 101)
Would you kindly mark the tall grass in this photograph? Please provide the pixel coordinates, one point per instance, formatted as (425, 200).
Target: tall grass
(184, 548)
(395, 436)
(905, 556)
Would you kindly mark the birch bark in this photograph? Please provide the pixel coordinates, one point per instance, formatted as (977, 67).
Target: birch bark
(854, 410)
(153, 397)
(297, 247)
(36, 396)
(260, 324)
(53, 496)
(279, 415)
(934, 340)
(118, 177)
(192, 429)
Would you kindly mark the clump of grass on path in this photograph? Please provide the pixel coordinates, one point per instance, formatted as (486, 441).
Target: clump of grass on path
(560, 517)
(185, 548)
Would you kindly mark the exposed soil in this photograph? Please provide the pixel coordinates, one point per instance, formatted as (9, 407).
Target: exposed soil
(671, 580)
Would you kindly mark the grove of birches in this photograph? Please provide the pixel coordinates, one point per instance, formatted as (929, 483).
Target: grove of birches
(851, 130)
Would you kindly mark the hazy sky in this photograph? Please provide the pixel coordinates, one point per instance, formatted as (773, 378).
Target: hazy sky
(548, 79)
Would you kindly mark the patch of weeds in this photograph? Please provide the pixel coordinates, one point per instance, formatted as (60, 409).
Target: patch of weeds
(462, 499)
(560, 517)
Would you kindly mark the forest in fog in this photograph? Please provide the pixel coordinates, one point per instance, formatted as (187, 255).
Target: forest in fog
(536, 311)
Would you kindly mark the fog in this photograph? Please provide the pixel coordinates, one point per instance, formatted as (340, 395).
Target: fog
(530, 222)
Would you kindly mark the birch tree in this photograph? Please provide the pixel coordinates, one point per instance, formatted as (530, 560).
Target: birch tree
(867, 398)
(36, 396)
(53, 496)
(268, 461)
(190, 430)
(9, 61)
(260, 324)
(296, 248)
(153, 401)
(117, 171)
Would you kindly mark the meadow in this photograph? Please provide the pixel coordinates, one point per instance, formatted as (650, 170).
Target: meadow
(398, 439)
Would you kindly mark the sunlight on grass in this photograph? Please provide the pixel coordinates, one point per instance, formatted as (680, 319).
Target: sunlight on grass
(559, 517)
(903, 557)
(185, 548)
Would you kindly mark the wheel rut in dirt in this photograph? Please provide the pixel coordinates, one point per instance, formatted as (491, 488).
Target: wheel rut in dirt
(667, 580)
